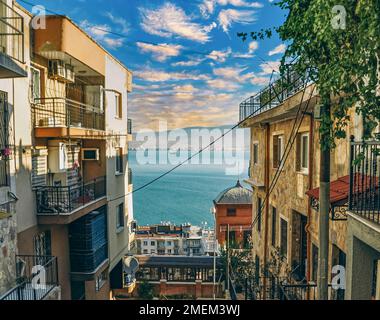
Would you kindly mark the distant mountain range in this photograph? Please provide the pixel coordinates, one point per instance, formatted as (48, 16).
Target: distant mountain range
(204, 135)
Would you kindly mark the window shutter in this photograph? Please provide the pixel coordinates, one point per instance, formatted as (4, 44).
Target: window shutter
(39, 171)
(298, 152)
(276, 154)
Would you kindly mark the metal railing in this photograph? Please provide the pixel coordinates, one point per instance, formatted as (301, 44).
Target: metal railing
(364, 195)
(30, 269)
(308, 291)
(64, 200)
(62, 112)
(273, 95)
(129, 126)
(11, 32)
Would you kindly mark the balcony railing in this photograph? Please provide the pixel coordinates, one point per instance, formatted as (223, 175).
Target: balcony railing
(364, 195)
(43, 268)
(64, 200)
(273, 95)
(11, 32)
(62, 112)
(129, 126)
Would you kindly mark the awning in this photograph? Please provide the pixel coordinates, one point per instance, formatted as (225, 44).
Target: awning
(339, 190)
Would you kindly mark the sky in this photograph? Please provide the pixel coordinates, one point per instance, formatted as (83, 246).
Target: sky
(189, 67)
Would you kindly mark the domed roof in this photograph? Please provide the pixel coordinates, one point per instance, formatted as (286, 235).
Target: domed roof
(235, 195)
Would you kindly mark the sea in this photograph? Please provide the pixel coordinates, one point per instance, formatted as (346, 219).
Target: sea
(186, 194)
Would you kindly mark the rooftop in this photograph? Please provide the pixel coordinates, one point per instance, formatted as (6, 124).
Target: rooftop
(234, 195)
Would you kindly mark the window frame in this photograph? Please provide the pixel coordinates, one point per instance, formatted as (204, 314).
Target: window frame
(118, 105)
(277, 155)
(283, 219)
(119, 161)
(231, 212)
(120, 216)
(274, 226)
(255, 153)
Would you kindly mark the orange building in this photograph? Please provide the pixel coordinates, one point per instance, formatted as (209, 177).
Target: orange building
(233, 215)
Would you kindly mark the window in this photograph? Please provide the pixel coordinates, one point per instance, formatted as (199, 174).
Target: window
(231, 212)
(274, 226)
(145, 243)
(284, 238)
(119, 160)
(145, 251)
(120, 216)
(35, 83)
(314, 262)
(169, 243)
(302, 152)
(255, 153)
(152, 243)
(258, 214)
(101, 279)
(118, 105)
(169, 251)
(278, 150)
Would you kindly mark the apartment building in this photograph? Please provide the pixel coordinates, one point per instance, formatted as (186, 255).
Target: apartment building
(17, 267)
(233, 216)
(168, 239)
(69, 172)
(285, 212)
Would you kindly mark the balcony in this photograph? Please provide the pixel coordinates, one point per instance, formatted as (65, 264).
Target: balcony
(11, 42)
(62, 117)
(364, 194)
(70, 203)
(273, 95)
(31, 268)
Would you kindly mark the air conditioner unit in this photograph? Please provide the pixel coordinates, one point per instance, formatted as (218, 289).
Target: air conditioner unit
(90, 154)
(70, 74)
(57, 69)
(57, 158)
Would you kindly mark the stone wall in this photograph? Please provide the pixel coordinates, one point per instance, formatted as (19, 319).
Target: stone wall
(8, 247)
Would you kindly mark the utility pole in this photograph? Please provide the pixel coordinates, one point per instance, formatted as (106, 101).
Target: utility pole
(324, 209)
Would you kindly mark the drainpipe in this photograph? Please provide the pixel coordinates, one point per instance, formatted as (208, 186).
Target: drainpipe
(267, 163)
(309, 212)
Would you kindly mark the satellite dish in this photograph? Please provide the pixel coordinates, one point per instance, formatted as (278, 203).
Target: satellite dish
(130, 265)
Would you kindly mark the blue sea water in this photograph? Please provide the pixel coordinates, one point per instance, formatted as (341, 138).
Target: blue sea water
(186, 194)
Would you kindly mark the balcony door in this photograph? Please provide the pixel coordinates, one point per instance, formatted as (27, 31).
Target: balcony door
(4, 139)
(299, 246)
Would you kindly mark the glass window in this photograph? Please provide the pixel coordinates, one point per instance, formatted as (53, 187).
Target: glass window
(120, 216)
(231, 212)
(284, 238)
(119, 160)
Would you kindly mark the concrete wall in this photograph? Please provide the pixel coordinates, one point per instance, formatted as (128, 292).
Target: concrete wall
(117, 184)
(363, 249)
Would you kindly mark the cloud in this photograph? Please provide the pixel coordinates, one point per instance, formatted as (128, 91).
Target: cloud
(170, 20)
(101, 33)
(162, 51)
(185, 88)
(121, 22)
(161, 75)
(207, 7)
(253, 46)
(260, 81)
(220, 56)
(222, 84)
(243, 55)
(279, 49)
(229, 16)
(269, 66)
(189, 63)
(233, 74)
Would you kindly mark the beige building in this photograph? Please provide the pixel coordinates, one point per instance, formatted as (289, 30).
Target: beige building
(70, 169)
(285, 213)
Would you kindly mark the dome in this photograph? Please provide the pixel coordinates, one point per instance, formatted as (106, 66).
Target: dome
(235, 195)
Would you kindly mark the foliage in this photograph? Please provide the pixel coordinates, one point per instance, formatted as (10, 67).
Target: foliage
(145, 291)
(343, 61)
